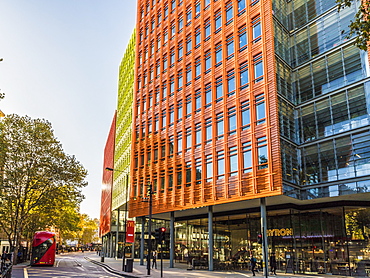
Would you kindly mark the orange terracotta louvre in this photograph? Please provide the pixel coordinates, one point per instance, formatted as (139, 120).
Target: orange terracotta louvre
(205, 120)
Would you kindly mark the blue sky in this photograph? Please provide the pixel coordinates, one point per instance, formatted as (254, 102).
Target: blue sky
(61, 61)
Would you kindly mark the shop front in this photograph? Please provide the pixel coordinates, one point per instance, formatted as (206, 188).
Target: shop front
(331, 240)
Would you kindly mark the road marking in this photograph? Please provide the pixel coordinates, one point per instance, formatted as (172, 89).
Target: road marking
(25, 273)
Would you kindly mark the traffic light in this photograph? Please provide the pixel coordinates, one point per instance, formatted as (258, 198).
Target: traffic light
(157, 234)
(259, 239)
(162, 232)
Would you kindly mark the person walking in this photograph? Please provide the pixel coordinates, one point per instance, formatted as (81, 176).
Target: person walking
(273, 263)
(253, 264)
(154, 259)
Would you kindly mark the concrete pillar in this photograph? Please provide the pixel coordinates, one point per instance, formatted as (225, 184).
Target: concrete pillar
(210, 240)
(172, 239)
(117, 234)
(142, 241)
(264, 237)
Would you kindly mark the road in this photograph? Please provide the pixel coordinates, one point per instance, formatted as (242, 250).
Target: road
(66, 265)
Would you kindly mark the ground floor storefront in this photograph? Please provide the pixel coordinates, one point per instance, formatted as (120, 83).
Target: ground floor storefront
(328, 239)
(331, 238)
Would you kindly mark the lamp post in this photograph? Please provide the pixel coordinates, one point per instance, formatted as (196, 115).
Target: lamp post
(150, 193)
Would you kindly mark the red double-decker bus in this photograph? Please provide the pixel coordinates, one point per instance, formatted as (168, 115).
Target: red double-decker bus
(43, 249)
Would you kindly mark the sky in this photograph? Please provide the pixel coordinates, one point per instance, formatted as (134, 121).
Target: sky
(60, 63)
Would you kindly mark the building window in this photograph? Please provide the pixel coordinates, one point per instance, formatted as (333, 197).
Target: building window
(244, 77)
(179, 143)
(207, 29)
(219, 89)
(243, 39)
(218, 21)
(188, 15)
(198, 135)
(188, 73)
(208, 94)
(256, 29)
(189, 142)
(241, 6)
(172, 85)
(233, 160)
(246, 117)
(198, 100)
(172, 57)
(180, 24)
(260, 108)
(220, 124)
(247, 157)
(197, 37)
(220, 165)
(188, 44)
(262, 152)
(165, 36)
(230, 82)
(230, 46)
(173, 29)
(179, 80)
(208, 61)
(197, 67)
(258, 68)
(209, 168)
(197, 9)
(164, 63)
(218, 56)
(229, 12)
(180, 51)
(208, 125)
(179, 111)
(164, 120)
(232, 119)
(189, 107)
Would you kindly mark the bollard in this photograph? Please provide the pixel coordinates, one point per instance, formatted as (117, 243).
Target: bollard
(102, 259)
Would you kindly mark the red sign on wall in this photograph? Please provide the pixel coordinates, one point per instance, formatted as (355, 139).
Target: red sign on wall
(130, 231)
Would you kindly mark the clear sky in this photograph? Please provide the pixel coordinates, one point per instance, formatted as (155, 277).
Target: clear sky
(61, 62)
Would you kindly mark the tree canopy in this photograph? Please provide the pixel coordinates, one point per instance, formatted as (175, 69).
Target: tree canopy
(40, 185)
(360, 26)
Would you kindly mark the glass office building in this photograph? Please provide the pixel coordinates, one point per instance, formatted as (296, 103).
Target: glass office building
(240, 100)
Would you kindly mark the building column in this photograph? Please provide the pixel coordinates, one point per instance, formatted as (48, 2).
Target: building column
(142, 241)
(111, 244)
(264, 237)
(117, 233)
(210, 239)
(172, 239)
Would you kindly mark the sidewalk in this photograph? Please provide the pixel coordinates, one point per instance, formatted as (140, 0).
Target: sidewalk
(180, 271)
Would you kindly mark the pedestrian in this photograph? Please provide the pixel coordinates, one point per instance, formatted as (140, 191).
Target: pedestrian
(273, 264)
(154, 259)
(253, 264)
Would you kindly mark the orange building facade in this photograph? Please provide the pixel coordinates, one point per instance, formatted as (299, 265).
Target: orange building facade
(205, 114)
(107, 184)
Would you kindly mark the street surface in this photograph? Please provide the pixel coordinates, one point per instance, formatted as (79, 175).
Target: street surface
(66, 265)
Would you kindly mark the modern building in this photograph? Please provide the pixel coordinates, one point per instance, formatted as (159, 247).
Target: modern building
(117, 160)
(106, 225)
(250, 118)
(122, 153)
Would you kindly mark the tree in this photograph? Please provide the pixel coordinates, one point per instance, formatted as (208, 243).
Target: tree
(360, 26)
(37, 178)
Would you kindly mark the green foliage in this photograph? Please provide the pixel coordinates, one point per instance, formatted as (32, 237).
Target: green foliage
(40, 185)
(360, 26)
